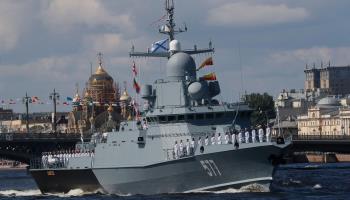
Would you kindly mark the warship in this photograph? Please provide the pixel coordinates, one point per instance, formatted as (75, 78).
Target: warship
(184, 140)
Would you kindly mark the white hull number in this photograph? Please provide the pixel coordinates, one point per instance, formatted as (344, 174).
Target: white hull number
(210, 167)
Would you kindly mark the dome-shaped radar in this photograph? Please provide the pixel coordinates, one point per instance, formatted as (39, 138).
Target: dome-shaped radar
(174, 45)
(181, 65)
(198, 90)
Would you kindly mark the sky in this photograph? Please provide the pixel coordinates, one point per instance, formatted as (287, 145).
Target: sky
(260, 45)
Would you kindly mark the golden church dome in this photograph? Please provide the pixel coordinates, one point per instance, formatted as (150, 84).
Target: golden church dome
(124, 96)
(100, 76)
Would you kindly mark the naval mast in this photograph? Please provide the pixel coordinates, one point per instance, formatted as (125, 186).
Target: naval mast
(170, 30)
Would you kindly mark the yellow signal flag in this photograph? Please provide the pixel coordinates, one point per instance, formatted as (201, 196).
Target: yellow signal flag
(209, 77)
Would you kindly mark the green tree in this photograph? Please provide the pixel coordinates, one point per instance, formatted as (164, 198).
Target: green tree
(263, 106)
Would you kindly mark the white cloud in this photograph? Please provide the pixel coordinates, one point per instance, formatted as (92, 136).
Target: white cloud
(107, 43)
(12, 22)
(337, 56)
(65, 14)
(247, 14)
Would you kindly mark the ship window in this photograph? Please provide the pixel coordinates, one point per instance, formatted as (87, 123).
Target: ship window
(171, 118)
(200, 116)
(162, 118)
(180, 117)
(190, 117)
(209, 115)
(219, 115)
(230, 114)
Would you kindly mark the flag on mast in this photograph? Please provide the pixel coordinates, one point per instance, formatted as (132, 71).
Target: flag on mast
(209, 77)
(206, 62)
(136, 86)
(160, 46)
(134, 70)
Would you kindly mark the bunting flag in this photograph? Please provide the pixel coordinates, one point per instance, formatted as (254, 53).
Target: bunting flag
(136, 86)
(134, 70)
(11, 101)
(160, 46)
(35, 99)
(209, 77)
(206, 62)
(69, 99)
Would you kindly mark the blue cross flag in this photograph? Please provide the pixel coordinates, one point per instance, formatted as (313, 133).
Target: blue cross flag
(160, 46)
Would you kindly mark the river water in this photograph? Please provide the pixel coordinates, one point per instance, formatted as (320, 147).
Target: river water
(298, 181)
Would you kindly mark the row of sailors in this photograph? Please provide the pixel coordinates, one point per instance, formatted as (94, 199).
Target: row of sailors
(61, 158)
(182, 150)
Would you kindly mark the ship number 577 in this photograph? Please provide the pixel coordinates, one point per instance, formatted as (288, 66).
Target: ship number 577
(210, 167)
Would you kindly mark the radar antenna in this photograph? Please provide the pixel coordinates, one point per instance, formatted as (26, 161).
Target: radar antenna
(169, 27)
(170, 30)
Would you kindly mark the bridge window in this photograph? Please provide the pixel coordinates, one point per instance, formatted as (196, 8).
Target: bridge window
(219, 115)
(171, 118)
(230, 114)
(190, 117)
(162, 118)
(181, 117)
(200, 116)
(209, 115)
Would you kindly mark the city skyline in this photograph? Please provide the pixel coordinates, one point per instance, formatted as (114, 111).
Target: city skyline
(261, 46)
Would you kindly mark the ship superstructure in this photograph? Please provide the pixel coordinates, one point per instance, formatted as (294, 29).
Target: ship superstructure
(185, 140)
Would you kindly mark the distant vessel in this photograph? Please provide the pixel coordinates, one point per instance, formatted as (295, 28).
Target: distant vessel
(184, 141)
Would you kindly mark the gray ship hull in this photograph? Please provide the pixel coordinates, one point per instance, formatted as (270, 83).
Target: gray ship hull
(201, 172)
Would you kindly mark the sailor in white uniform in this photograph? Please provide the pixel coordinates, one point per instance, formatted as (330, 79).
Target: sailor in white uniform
(187, 147)
(219, 139)
(240, 136)
(253, 135)
(261, 134)
(192, 147)
(246, 136)
(206, 141)
(200, 142)
(176, 150)
(226, 138)
(233, 138)
(212, 140)
(268, 134)
(181, 149)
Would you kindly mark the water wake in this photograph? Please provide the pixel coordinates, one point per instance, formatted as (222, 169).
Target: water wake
(19, 193)
(317, 186)
(74, 193)
(71, 193)
(254, 187)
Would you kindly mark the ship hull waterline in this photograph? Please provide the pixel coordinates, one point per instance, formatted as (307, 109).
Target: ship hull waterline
(197, 173)
(65, 180)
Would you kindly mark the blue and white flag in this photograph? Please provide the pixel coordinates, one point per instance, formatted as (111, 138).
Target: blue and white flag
(160, 46)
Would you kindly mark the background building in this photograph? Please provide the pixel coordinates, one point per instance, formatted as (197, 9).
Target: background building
(101, 105)
(331, 80)
(328, 117)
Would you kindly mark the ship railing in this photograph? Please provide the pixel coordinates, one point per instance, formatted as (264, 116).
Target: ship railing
(52, 163)
(170, 154)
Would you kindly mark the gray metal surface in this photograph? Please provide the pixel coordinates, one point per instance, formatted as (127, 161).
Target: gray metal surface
(207, 171)
(143, 158)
